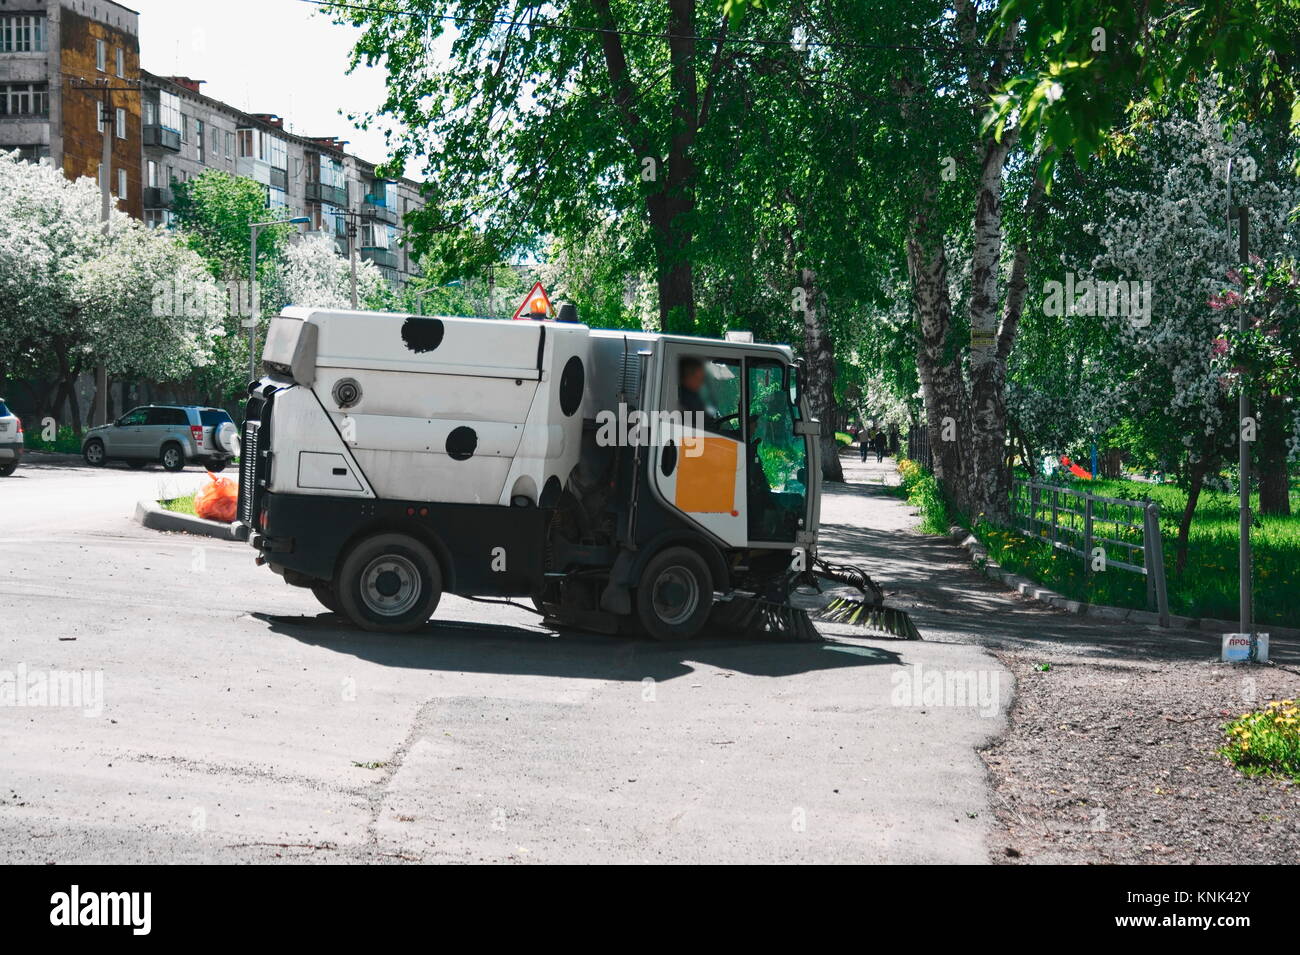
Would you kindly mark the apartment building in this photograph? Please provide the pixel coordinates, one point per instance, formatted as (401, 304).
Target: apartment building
(187, 132)
(71, 68)
(69, 72)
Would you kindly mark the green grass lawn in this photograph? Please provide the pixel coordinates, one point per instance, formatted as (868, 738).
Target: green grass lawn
(1208, 585)
(181, 505)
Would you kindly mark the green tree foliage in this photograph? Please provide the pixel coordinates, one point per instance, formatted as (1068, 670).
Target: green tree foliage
(213, 212)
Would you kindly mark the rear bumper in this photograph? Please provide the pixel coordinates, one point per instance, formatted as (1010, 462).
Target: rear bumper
(11, 450)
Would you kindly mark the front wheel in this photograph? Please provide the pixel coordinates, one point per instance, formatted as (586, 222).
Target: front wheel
(389, 583)
(675, 594)
(93, 452)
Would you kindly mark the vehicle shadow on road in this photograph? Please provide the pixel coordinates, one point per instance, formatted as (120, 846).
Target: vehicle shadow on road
(505, 649)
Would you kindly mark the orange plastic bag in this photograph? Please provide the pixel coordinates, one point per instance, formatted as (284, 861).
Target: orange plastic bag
(217, 501)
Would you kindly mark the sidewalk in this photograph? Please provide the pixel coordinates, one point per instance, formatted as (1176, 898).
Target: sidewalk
(1110, 751)
(932, 578)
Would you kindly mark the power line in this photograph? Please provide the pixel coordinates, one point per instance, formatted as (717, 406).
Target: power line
(801, 44)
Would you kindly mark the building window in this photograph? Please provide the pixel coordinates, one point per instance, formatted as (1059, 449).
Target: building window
(121, 183)
(151, 174)
(277, 152)
(24, 99)
(121, 61)
(185, 128)
(169, 111)
(101, 56)
(121, 123)
(230, 143)
(22, 34)
(198, 138)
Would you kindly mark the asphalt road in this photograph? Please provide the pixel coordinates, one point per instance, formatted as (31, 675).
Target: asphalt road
(239, 722)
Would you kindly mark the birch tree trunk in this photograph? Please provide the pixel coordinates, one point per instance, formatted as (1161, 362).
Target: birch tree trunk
(987, 481)
(819, 377)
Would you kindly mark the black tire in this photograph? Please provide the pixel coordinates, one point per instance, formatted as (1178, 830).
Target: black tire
(216, 467)
(324, 592)
(675, 594)
(8, 468)
(172, 457)
(389, 583)
(93, 453)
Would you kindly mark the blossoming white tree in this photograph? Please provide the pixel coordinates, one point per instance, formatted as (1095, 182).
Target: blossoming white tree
(1172, 231)
(72, 291)
(312, 273)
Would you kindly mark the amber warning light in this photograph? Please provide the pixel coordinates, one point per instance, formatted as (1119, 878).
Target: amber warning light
(536, 305)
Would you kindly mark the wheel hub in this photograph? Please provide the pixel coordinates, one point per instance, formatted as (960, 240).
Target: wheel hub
(390, 585)
(676, 595)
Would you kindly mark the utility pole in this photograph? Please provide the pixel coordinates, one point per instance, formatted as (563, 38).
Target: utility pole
(354, 221)
(1245, 626)
(1243, 451)
(99, 407)
(100, 414)
(353, 230)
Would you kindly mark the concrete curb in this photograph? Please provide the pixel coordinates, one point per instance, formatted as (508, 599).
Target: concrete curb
(979, 556)
(157, 518)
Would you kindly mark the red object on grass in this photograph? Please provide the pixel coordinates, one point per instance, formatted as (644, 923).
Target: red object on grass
(217, 501)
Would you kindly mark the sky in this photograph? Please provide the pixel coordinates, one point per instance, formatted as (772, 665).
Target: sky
(266, 56)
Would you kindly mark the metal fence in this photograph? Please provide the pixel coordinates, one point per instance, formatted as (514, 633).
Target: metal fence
(1077, 522)
(918, 446)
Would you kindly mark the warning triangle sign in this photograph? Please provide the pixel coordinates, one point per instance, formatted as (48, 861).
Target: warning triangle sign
(535, 301)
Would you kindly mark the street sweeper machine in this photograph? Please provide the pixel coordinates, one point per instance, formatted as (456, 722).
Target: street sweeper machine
(624, 481)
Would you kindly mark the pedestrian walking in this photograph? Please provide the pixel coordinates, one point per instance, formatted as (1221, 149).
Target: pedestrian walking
(864, 442)
(879, 442)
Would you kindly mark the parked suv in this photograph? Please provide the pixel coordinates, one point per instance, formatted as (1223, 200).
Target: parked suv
(173, 435)
(11, 440)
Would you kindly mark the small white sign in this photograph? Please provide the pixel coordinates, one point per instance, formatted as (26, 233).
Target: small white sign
(1236, 648)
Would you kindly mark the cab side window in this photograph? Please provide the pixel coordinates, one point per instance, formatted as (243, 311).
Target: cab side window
(708, 394)
(134, 419)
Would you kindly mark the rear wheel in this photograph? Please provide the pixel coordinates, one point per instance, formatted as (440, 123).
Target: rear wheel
(172, 457)
(93, 452)
(8, 468)
(389, 583)
(675, 594)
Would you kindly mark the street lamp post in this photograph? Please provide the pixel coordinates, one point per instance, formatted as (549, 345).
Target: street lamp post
(255, 299)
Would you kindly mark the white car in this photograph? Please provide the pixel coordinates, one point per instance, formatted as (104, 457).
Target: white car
(11, 440)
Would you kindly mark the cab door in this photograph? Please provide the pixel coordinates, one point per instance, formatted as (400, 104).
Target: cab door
(781, 483)
(698, 458)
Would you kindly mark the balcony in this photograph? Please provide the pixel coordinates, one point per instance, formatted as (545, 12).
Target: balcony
(157, 197)
(334, 195)
(279, 179)
(381, 257)
(162, 138)
(378, 211)
(254, 169)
